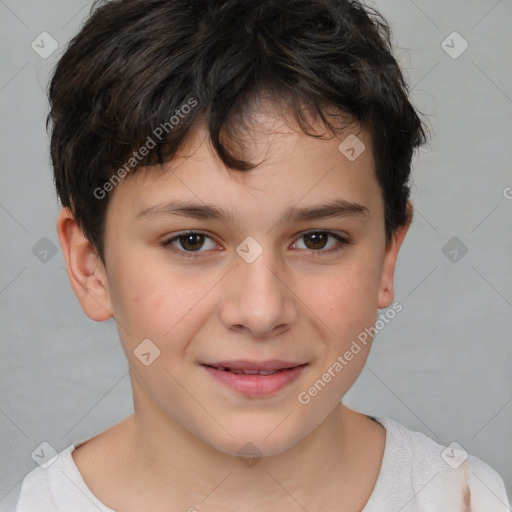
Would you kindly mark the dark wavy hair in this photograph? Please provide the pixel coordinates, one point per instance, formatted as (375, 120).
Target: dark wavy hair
(135, 63)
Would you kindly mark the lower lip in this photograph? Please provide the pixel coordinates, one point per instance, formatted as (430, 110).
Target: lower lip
(257, 385)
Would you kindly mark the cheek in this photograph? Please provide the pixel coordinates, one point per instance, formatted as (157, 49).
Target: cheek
(157, 304)
(349, 297)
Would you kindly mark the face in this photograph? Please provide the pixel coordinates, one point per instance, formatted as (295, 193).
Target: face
(272, 273)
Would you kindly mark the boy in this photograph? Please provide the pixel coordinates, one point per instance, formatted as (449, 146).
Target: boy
(233, 176)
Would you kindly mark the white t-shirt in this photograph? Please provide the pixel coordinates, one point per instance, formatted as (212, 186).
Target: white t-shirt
(417, 475)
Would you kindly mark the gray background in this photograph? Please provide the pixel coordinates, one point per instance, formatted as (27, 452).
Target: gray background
(442, 366)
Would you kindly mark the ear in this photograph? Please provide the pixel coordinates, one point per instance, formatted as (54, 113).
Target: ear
(85, 269)
(386, 291)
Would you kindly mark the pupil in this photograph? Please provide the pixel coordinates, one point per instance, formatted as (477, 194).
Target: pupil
(320, 240)
(187, 238)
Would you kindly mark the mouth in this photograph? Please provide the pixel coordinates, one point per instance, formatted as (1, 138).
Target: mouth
(246, 371)
(268, 367)
(255, 378)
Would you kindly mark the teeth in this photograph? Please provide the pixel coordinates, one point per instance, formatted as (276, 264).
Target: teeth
(247, 372)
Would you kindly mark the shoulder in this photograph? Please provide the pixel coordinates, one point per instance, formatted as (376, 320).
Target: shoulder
(430, 476)
(55, 485)
(36, 489)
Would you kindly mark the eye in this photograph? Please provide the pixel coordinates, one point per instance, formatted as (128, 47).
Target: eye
(316, 242)
(190, 242)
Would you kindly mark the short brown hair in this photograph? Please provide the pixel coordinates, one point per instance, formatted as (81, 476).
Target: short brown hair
(136, 63)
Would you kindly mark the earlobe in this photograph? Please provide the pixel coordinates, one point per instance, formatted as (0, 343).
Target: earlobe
(85, 269)
(387, 291)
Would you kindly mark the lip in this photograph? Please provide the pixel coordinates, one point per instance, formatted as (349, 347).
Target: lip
(244, 364)
(256, 385)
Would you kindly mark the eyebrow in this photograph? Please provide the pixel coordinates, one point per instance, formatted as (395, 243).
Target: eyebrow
(337, 208)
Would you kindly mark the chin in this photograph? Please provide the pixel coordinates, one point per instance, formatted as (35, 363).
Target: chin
(249, 440)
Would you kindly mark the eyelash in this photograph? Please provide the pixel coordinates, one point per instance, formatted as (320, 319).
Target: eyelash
(342, 241)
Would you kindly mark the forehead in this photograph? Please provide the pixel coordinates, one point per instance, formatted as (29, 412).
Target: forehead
(292, 168)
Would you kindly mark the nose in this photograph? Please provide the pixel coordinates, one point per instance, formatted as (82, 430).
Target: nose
(257, 298)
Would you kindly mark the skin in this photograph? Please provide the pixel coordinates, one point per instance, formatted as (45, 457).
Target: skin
(292, 303)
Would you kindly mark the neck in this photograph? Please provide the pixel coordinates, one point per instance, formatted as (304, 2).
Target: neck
(184, 470)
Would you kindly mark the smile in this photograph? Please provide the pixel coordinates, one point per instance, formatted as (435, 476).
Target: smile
(255, 378)
(248, 372)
